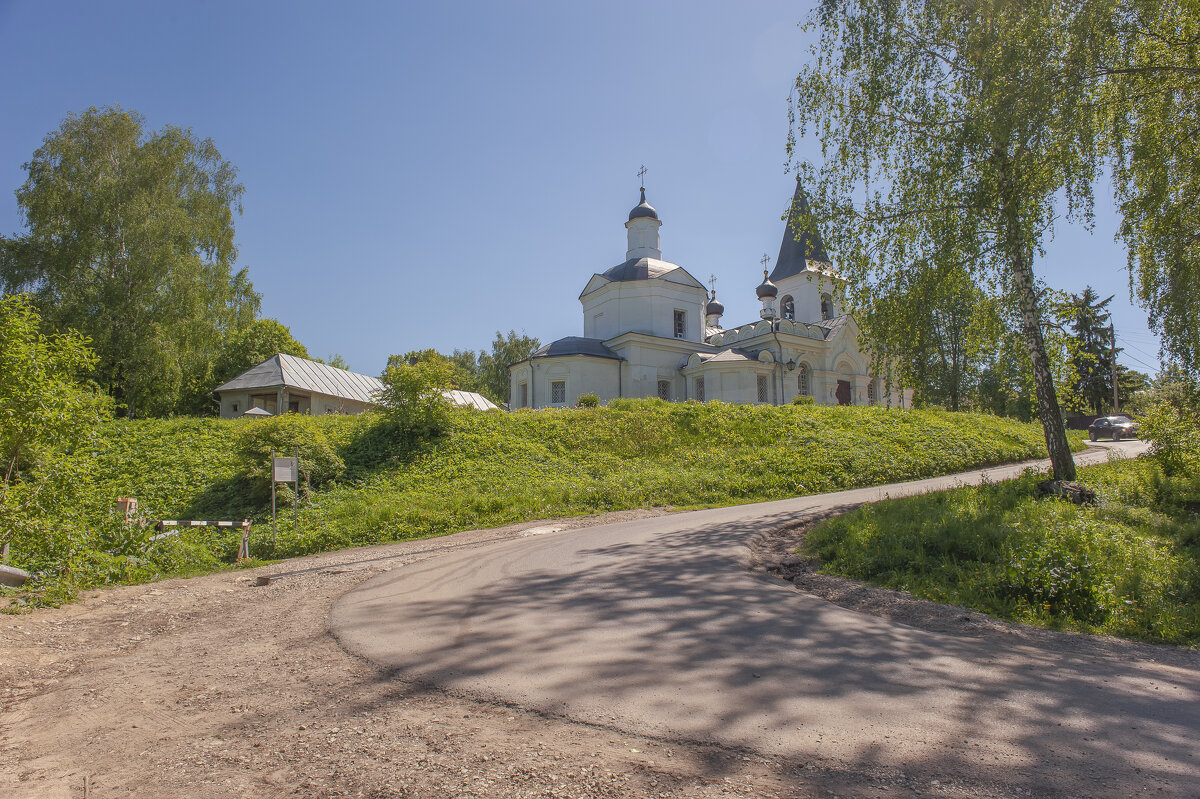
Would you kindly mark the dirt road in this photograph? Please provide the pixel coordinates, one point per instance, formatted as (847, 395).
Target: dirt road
(213, 687)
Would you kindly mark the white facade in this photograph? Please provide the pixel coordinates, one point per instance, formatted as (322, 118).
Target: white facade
(650, 329)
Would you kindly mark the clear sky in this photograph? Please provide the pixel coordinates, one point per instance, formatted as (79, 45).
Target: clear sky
(423, 174)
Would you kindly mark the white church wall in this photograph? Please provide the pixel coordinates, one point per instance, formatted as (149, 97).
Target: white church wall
(806, 290)
(644, 306)
(643, 238)
(578, 374)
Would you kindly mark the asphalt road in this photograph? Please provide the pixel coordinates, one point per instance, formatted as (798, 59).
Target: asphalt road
(656, 626)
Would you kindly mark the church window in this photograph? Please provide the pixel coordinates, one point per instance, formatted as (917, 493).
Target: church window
(804, 381)
(558, 392)
(871, 393)
(826, 307)
(680, 323)
(762, 388)
(664, 390)
(789, 307)
(523, 393)
(699, 389)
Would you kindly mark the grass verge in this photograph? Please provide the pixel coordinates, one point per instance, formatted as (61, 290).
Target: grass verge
(1128, 567)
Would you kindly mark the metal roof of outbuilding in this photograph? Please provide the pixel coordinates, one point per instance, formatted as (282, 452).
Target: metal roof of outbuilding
(470, 399)
(292, 372)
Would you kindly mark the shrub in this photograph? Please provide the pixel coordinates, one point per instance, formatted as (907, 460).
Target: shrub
(1174, 435)
(286, 435)
(413, 400)
(588, 400)
(803, 399)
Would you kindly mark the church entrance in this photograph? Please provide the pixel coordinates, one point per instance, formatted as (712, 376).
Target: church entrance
(843, 392)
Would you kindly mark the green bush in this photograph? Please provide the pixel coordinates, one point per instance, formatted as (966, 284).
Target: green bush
(287, 435)
(1174, 435)
(588, 400)
(803, 399)
(413, 400)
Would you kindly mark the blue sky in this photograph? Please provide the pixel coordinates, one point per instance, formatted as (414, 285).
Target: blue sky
(425, 174)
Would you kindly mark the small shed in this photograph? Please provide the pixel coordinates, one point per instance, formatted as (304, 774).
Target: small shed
(287, 384)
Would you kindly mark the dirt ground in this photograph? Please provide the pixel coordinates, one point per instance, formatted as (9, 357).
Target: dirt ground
(217, 687)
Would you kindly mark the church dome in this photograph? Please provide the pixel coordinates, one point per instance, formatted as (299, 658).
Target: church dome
(766, 289)
(714, 308)
(643, 210)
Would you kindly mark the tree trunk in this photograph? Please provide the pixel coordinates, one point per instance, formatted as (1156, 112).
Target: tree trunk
(1061, 460)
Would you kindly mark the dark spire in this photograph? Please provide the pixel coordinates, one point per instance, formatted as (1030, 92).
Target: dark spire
(796, 250)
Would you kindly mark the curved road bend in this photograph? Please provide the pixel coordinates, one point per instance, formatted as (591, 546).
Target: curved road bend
(656, 627)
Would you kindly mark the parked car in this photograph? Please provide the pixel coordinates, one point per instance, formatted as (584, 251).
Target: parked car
(1114, 427)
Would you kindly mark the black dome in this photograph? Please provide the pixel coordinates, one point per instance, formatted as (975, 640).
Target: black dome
(714, 308)
(643, 210)
(766, 288)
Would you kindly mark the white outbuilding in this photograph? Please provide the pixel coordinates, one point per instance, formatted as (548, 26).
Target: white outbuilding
(288, 384)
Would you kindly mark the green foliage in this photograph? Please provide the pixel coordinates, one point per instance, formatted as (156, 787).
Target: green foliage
(129, 240)
(1174, 435)
(487, 469)
(1129, 567)
(413, 399)
(336, 360)
(493, 366)
(803, 399)
(588, 400)
(950, 133)
(1150, 90)
(287, 435)
(936, 328)
(1088, 318)
(261, 339)
(47, 419)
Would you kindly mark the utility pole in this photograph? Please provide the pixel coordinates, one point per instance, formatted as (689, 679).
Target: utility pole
(1112, 337)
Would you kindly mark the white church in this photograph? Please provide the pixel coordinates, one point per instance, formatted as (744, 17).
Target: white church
(650, 329)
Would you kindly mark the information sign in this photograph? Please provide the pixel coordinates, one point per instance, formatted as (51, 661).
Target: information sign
(286, 470)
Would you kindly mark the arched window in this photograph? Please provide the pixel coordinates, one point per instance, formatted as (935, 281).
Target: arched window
(826, 306)
(804, 380)
(788, 306)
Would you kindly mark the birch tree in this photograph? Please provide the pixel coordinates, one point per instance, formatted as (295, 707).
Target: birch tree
(1150, 79)
(961, 126)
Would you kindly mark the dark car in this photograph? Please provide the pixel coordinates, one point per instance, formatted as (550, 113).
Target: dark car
(1114, 427)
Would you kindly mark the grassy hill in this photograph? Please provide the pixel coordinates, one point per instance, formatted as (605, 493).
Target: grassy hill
(491, 469)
